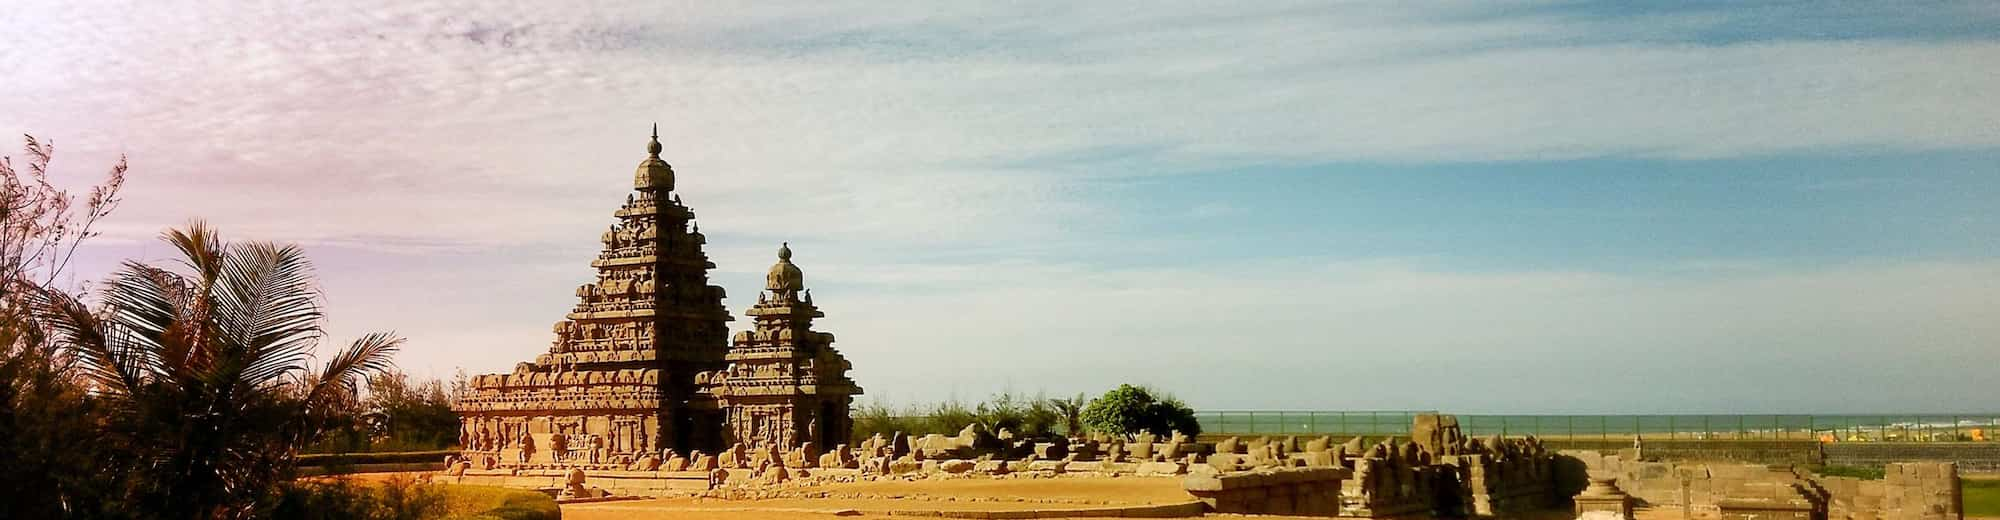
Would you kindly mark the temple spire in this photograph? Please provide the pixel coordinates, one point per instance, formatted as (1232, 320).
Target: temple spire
(654, 173)
(784, 276)
(653, 147)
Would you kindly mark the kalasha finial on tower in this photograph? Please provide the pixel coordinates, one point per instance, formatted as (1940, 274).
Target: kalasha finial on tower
(784, 276)
(654, 173)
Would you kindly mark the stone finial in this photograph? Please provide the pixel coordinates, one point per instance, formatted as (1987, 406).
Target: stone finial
(653, 173)
(784, 275)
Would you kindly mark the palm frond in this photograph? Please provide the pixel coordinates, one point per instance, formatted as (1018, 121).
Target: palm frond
(107, 360)
(369, 354)
(201, 248)
(160, 311)
(269, 307)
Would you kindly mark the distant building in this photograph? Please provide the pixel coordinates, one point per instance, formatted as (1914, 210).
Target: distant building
(644, 362)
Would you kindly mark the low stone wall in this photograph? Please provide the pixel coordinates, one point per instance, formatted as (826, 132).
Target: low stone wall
(1907, 491)
(1691, 486)
(1792, 452)
(1393, 481)
(621, 483)
(313, 471)
(1971, 457)
(1910, 491)
(1274, 491)
(1496, 486)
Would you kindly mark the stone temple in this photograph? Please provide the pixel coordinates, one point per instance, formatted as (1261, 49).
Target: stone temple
(644, 362)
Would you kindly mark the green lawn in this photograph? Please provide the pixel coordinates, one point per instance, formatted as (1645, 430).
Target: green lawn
(498, 503)
(1982, 496)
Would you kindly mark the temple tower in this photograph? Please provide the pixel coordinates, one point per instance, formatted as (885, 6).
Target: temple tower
(620, 377)
(785, 385)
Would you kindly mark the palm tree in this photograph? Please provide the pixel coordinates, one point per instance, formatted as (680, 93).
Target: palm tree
(1071, 410)
(205, 367)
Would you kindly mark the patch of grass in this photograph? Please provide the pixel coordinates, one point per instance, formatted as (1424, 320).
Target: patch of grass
(498, 503)
(1860, 472)
(1981, 496)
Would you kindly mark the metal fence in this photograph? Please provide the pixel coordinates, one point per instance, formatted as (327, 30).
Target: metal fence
(1825, 428)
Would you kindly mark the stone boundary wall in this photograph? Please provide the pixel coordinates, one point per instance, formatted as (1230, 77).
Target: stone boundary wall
(1909, 491)
(658, 483)
(314, 471)
(1971, 457)
(1793, 452)
(1491, 487)
(1272, 491)
(1189, 509)
(618, 483)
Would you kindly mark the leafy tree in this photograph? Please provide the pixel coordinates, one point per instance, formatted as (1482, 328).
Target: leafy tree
(418, 414)
(1129, 410)
(205, 370)
(45, 471)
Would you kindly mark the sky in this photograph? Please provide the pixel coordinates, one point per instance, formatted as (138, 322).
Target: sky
(1473, 207)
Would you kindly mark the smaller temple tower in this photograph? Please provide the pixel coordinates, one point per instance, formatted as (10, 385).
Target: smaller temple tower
(785, 384)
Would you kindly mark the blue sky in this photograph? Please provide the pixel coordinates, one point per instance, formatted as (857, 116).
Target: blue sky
(1471, 206)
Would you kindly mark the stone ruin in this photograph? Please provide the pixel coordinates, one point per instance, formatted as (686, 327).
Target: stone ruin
(1908, 491)
(1440, 472)
(642, 373)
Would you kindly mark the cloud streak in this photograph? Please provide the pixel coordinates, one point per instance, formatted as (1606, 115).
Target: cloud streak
(960, 167)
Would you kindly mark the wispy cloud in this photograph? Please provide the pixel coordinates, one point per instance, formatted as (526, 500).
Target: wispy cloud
(401, 118)
(494, 137)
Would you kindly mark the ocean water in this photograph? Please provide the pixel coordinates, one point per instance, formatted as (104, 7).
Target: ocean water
(1836, 427)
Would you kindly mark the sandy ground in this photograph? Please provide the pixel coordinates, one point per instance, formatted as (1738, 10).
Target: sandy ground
(955, 494)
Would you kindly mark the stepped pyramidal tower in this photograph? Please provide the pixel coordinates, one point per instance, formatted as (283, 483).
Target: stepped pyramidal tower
(785, 384)
(643, 362)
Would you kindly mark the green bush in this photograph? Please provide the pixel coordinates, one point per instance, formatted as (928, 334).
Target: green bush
(1035, 416)
(400, 499)
(1129, 410)
(417, 416)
